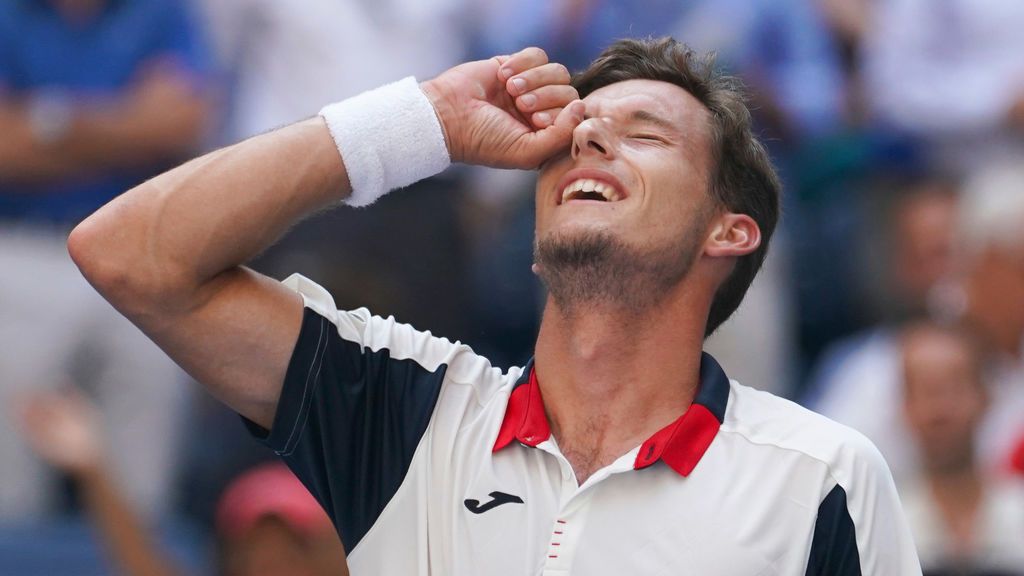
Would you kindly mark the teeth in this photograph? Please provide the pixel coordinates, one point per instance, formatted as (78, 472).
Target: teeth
(590, 185)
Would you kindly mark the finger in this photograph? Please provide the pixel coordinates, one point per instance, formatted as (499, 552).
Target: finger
(544, 118)
(542, 144)
(522, 61)
(545, 75)
(546, 97)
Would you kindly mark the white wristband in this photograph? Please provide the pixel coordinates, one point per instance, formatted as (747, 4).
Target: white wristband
(388, 138)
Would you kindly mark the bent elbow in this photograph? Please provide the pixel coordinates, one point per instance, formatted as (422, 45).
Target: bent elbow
(89, 246)
(110, 249)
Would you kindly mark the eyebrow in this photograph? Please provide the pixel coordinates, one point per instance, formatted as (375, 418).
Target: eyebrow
(651, 118)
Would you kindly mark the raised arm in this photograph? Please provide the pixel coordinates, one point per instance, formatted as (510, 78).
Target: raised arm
(169, 253)
(64, 429)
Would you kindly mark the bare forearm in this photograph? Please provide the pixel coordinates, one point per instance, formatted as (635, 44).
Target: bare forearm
(23, 158)
(218, 211)
(132, 548)
(98, 138)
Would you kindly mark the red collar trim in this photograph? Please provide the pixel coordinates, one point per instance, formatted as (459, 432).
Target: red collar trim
(680, 445)
(525, 419)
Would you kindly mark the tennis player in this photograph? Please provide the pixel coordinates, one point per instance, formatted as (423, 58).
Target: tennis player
(621, 448)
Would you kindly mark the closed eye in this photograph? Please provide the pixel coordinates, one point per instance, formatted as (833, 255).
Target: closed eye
(650, 137)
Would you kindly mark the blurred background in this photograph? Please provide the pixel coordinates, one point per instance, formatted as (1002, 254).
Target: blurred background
(892, 300)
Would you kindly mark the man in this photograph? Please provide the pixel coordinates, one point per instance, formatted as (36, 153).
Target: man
(857, 381)
(620, 449)
(965, 520)
(95, 96)
(983, 260)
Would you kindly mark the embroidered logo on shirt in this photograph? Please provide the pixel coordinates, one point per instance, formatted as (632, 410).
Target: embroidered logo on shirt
(498, 498)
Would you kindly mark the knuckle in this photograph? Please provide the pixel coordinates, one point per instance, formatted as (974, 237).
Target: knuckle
(537, 53)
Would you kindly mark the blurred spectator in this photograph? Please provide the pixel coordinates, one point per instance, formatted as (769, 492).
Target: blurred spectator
(859, 382)
(964, 520)
(267, 522)
(949, 73)
(65, 430)
(95, 95)
(992, 300)
(921, 252)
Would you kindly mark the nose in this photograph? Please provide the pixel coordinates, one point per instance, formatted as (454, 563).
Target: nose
(592, 137)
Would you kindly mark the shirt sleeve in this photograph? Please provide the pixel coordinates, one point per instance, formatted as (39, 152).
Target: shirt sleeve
(860, 527)
(358, 396)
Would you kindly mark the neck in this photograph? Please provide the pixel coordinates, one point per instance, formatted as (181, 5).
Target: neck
(957, 494)
(612, 378)
(954, 483)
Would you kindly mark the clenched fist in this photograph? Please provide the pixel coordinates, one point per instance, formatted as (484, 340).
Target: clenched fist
(507, 112)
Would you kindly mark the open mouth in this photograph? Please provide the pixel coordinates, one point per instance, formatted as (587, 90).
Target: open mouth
(590, 189)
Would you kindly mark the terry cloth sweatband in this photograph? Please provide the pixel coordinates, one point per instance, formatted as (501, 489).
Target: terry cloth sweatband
(388, 138)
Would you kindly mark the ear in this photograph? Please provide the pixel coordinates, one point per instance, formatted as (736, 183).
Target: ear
(733, 235)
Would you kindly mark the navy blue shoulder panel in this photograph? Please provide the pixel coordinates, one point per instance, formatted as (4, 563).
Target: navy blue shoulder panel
(349, 421)
(834, 548)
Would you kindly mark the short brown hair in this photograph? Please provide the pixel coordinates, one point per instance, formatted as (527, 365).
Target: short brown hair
(743, 179)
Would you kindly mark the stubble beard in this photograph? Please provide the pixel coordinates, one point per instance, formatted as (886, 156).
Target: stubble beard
(594, 269)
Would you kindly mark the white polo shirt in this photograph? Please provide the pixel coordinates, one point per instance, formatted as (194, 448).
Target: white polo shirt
(430, 461)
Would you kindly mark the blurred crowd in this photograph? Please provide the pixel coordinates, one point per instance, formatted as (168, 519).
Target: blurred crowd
(893, 300)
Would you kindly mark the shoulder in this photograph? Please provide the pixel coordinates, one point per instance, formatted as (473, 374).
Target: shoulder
(768, 420)
(369, 335)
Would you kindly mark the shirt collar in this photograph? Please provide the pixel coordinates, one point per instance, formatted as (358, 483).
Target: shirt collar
(680, 445)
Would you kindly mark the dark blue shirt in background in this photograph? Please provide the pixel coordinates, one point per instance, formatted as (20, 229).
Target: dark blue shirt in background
(40, 50)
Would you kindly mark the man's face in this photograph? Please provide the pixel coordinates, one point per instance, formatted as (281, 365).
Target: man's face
(636, 177)
(997, 285)
(924, 244)
(944, 399)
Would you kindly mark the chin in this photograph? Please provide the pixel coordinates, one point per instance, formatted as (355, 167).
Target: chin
(575, 228)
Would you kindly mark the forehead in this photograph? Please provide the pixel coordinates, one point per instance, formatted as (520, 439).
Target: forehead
(661, 99)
